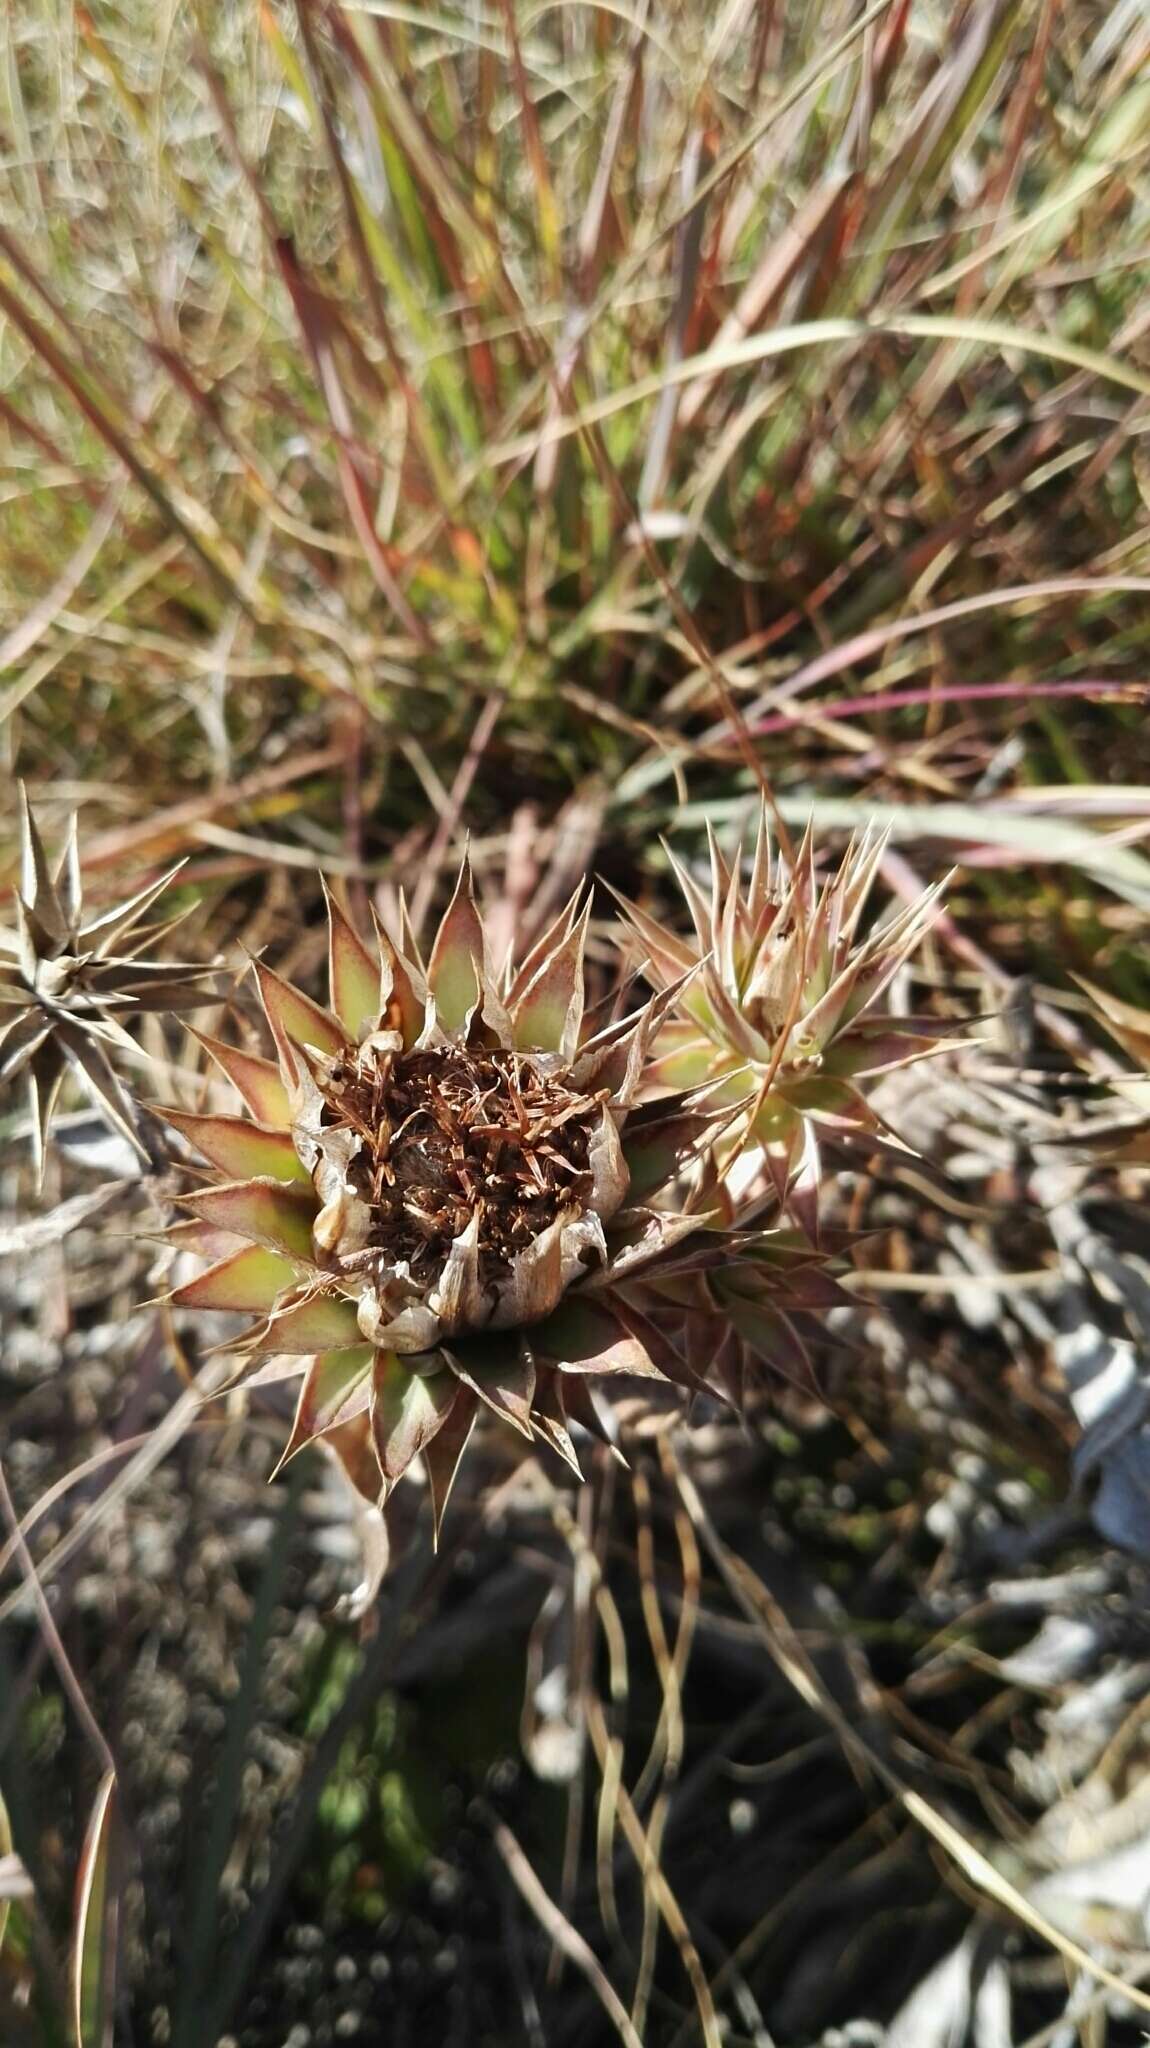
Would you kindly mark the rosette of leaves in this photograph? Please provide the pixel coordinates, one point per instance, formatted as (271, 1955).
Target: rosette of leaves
(448, 1197)
(71, 983)
(780, 1011)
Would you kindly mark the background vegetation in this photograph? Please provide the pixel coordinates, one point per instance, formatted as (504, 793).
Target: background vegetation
(555, 421)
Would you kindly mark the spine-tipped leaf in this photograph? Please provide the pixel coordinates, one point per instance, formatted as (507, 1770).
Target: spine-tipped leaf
(408, 1409)
(266, 1211)
(501, 1370)
(336, 1388)
(589, 1337)
(256, 1080)
(295, 1020)
(443, 1453)
(402, 990)
(249, 1282)
(239, 1148)
(321, 1322)
(549, 1013)
(455, 971)
(353, 976)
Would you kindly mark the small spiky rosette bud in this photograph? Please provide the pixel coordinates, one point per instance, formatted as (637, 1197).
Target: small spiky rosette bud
(780, 1010)
(446, 1195)
(70, 984)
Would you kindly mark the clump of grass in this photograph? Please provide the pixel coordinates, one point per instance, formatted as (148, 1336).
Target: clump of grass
(557, 388)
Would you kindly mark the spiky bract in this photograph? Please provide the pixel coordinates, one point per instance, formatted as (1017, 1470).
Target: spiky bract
(69, 984)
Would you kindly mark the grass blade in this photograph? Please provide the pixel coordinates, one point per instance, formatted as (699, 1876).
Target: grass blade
(97, 1922)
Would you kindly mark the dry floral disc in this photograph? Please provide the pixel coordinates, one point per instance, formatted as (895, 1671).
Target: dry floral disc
(451, 1133)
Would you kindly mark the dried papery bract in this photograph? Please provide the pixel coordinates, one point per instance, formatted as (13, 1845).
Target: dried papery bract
(69, 985)
(781, 1013)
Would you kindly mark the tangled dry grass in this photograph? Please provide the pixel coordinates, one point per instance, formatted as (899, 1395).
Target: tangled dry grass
(558, 423)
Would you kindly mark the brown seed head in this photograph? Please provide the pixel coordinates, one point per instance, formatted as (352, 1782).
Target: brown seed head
(450, 1132)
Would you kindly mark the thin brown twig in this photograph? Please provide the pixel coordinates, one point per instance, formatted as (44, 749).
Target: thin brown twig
(559, 1928)
(59, 1655)
(966, 1863)
(457, 796)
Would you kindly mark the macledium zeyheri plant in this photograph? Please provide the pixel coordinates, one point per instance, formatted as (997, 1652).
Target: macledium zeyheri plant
(448, 1196)
(455, 1191)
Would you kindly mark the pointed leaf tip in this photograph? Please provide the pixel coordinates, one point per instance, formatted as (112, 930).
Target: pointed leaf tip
(320, 1322)
(455, 971)
(240, 1149)
(550, 1419)
(249, 1282)
(69, 887)
(443, 1454)
(37, 888)
(500, 1369)
(336, 1388)
(295, 1020)
(548, 1016)
(402, 989)
(588, 1337)
(408, 1409)
(353, 976)
(255, 1079)
(266, 1211)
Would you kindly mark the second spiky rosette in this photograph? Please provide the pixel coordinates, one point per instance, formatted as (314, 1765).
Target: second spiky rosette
(781, 1009)
(71, 981)
(445, 1194)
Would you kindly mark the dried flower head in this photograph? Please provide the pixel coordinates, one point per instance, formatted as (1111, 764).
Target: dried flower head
(448, 1194)
(780, 1011)
(70, 983)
